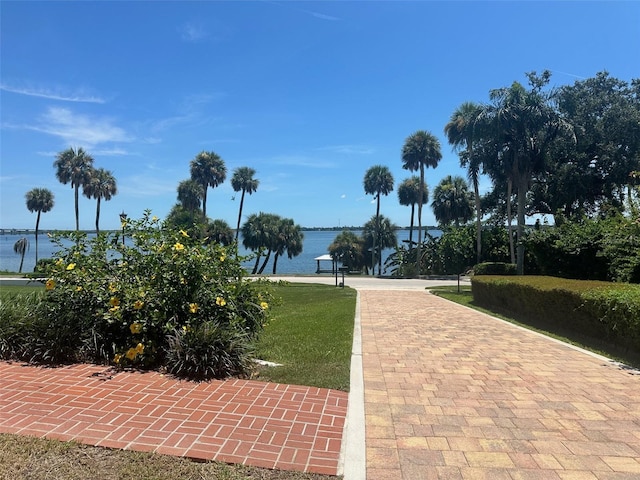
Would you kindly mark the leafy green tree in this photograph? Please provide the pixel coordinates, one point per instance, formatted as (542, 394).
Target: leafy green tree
(378, 180)
(101, 185)
(74, 166)
(525, 122)
(243, 181)
(209, 170)
(190, 194)
(21, 247)
(258, 235)
(179, 218)
(39, 200)
(379, 233)
(218, 231)
(460, 133)
(452, 202)
(348, 248)
(409, 195)
(420, 150)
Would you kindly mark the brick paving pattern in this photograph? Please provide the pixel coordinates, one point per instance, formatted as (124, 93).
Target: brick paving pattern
(451, 393)
(237, 421)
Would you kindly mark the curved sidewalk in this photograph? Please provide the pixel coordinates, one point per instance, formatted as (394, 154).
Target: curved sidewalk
(452, 393)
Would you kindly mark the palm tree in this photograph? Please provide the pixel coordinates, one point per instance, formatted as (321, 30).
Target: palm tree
(74, 166)
(381, 231)
(39, 200)
(409, 195)
(190, 194)
(460, 134)
(101, 185)
(525, 122)
(220, 232)
(348, 248)
(288, 239)
(209, 170)
(420, 150)
(243, 181)
(258, 235)
(452, 201)
(21, 247)
(377, 181)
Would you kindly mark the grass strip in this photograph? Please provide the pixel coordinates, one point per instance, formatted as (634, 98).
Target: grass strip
(310, 335)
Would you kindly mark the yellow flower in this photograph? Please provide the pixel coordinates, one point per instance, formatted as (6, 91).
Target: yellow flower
(71, 266)
(178, 247)
(117, 358)
(59, 262)
(193, 307)
(184, 233)
(138, 304)
(112, 287)
(139, 349)
(131, 354)
(183, 281)
(264, 305)
(154, 219)
(50, 285)
(222, 258)
(221, 301)
(114, 309)
(114, 301)
(78, 288)
(135, 328)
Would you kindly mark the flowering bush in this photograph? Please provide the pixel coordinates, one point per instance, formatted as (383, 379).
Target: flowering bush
(137, 303)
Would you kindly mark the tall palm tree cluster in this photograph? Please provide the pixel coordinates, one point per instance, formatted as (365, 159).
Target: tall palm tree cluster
(566, 152)
(263, 233)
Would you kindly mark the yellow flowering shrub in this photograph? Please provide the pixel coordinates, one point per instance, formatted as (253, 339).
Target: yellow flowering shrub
(165, 298)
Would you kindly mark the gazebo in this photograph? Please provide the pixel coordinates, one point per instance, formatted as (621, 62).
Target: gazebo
(326, 258)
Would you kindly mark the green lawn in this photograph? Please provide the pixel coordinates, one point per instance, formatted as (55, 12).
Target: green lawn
(311, 335)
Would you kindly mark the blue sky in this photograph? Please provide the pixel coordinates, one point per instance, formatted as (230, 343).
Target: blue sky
(310, 94)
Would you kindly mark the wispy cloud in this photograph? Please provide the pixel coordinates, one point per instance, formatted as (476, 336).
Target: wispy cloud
(349, 149)
(147, 186)
(79, 129)
(192, 32)
(314, 14)
(51, 94)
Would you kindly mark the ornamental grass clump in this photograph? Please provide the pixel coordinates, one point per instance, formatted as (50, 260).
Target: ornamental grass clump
(163, 299)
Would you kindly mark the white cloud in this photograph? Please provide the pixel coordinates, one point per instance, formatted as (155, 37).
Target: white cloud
(58, 94)
(192, 32)
(79, 129)
(343, 196)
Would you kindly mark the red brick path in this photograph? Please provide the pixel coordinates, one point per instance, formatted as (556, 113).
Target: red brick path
(236, 421)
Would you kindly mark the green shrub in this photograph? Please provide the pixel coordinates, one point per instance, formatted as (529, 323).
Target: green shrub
(110, 302)
(600, 310)
(494, 268)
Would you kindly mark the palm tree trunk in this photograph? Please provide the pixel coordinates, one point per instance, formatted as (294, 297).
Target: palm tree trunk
(77, 210)
(419, 252)
(98, 217)
(522, 198)
(375, 238)
(476, 191)
(413, 209)
(37, 228)
(204, 202)
(509, 220)
(275, 263)
(255, 267)
(239, 216)
(266, 260)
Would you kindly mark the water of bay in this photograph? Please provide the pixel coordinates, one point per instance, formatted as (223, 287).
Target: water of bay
(316, 243)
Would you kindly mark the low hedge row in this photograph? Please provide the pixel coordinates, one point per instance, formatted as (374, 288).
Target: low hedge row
(600, 310)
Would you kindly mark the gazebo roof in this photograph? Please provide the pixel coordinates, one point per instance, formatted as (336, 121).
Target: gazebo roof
(326, 256)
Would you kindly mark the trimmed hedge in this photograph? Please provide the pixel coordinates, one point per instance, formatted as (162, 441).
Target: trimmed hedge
(494, 268)
(600, 310)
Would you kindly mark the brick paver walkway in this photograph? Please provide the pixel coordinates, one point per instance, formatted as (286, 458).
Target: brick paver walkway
(236, 421)
(452, 393)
